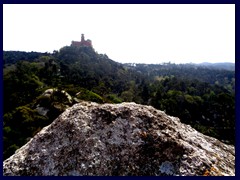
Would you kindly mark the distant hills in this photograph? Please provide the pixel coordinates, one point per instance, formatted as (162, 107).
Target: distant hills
(10, 57)
(221, 66)
(224, 65)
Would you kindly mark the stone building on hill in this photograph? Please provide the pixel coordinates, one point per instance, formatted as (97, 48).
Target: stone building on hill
(82, 43)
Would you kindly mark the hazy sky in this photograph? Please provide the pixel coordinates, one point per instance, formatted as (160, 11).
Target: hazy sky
(126, 33)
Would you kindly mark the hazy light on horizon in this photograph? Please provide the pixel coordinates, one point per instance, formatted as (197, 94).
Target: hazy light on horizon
(126, 33)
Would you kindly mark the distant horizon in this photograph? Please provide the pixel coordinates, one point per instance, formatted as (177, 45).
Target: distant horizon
(163, 62)
(147, 34)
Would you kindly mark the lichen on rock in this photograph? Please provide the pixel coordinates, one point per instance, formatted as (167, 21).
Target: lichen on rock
(120, 139)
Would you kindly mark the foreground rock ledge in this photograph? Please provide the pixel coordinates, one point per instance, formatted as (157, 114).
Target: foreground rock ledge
(120, 139)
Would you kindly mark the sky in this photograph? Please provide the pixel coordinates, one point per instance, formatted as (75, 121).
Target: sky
(127, 33)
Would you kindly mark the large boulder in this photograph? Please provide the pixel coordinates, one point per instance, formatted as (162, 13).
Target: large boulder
(120, 139)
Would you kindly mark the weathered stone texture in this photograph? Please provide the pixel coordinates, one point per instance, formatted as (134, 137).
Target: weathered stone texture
(120, 139)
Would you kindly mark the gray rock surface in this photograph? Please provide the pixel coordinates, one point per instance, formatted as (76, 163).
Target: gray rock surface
(120, 139)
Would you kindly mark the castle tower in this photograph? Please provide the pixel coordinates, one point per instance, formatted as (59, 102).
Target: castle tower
(82, 38)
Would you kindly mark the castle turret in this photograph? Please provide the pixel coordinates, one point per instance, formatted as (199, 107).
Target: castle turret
(82, 38)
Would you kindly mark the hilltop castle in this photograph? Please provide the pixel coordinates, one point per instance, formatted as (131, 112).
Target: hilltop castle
(82, 43)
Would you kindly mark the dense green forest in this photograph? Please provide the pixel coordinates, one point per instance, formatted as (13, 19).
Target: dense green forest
(40, 86)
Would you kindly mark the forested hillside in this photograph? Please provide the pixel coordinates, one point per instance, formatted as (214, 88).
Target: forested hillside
(201, 96)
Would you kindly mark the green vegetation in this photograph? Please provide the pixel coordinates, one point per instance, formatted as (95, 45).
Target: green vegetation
(87, 95)
(38, 87)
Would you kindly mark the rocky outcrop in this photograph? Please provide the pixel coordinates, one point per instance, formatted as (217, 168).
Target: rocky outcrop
(53, 102)
(120, 139)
